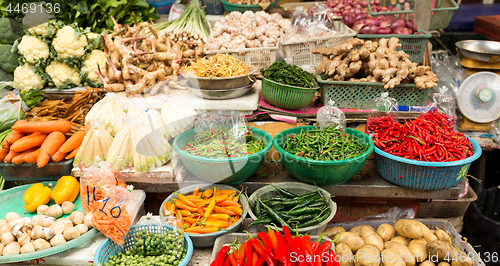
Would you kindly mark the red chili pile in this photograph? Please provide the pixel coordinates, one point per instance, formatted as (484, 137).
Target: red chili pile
(274, 249)
(428, 138)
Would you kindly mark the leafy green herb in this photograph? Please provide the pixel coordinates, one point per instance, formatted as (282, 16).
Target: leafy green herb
(284, 73)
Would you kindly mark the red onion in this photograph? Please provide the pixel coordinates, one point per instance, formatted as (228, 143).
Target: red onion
(363, 3)
(390, 19)
(340, 6)
(377, 2)
(369, 29)
(348, 19)
(347, 2)
(372, 3)
(336, 9)
(396, 24)
(372, 21)
(384, 24)
(401, 30)
(360, 17)
(384, 31)
(381, 17)
(411, 25)
(357, 11)
(358, 25)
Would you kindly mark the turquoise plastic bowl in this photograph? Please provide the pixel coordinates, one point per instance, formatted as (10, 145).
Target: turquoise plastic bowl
(230, 7)
(423, 175)
(321, 173)
(226, 171)
(109, 248)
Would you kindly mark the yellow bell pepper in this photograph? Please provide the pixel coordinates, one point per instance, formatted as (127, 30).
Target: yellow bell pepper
(36, 195)
(66, 189)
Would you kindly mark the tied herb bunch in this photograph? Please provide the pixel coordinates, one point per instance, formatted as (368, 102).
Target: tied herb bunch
(284, 73)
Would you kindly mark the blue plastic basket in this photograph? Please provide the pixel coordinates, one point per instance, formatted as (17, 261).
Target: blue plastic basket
(423, 175)
(109, 248)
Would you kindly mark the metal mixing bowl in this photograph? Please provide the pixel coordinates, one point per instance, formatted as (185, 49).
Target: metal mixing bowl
(486, 51)
(222, 83)
(222, 94)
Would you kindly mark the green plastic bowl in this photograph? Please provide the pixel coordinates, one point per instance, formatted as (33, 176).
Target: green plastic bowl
(226, 171)
(230, 7)
(321, 173)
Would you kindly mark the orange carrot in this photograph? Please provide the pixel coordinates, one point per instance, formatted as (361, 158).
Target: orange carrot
(10, 156)
(51, 144)
(3, 154)
(31, 157)
(19, 159)
(44, 127)
(31, 141)
(73, 142)
(58, 156)
(11, 138)
(72, 154)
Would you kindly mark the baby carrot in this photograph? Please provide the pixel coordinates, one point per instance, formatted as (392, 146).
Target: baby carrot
(10, 156)
(73, 142)
(72, 154)
(31, 157)
(19, 159)
(44, 127)
(27, 142)
(3, 154)
(51, 144)
(11, 138)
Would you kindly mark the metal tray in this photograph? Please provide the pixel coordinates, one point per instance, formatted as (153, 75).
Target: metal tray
(222, 83)
(51, 171)
(222, 94)
(486, 51)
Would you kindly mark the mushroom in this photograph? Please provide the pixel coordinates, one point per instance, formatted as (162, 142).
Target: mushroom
(49, 233)
(68, 207)
(1, 248)
(16, 229)
(28, 248)
(82, 228)
(48, 221)
(3, 222)
(71, 233)
(40, 232)
(67, 223)
(11, 216)
(11, 249)
(8, 238)
(57, 240)
(54, 211)
(23, 239)
(41, 244)
(89, 217)
(77, 217)
(27, 220)
(5, 228)
(38, 219)
(42, 209)
(58, 227)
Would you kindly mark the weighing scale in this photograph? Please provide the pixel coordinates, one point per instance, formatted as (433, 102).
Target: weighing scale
(478, 98)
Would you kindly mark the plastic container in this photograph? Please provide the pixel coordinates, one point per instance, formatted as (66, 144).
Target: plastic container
(163, 7)
(207, 240)
(439, 208)
(213, 7)
(456, 238)
(51, 171)
(231, 170)
(299, 189)
(109, 248)
(260, 57)
(321, 173)
(440, 16)
(230, 7)
(414, 45)
(358, 95)
(301, 50)
(423, 175)
(229, 238)
(286, 96)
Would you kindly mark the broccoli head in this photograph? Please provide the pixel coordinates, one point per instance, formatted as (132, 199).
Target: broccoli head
(6, 76)
(8, 59)
(11, 31)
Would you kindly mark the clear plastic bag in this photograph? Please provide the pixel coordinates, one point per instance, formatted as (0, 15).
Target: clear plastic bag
(394, 213)
(383, 108)
(330, 116)
(311, 23)
(107, 112)
(221, 123)
(444, 102)
(9, 113)
(94, 147)
(449, 71)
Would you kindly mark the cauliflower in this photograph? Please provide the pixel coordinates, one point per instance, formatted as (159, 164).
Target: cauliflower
(67, 45)
(41, 30)
(94, 41)
(26, 79)
(89, 65)
(62, 74)
(33, 49)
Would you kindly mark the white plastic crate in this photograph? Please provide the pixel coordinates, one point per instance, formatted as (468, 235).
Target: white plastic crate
(301, 50)
(261, 57)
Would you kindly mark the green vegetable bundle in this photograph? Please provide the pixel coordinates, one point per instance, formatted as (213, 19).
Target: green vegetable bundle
(284, 73)
(11, 31)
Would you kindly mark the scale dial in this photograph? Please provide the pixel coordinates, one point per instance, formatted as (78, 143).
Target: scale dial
(478, 97)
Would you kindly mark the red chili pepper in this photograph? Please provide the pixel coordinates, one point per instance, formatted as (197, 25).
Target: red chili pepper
(232, 259)
(322, 249)
(299, 251)
(221, 256)
(198, 153)
(240, 254)
(334, 258)
(308, 251)
(248, 255)
(212, 131)
(183, 148)
(268, 246)
(283, 247)
(274, 242)
(260, 250)
(227, 262)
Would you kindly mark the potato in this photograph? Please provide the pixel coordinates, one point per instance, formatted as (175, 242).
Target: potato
(391, 257)
(410, 228)
(442, 235)
(430, 237)
(367, 255)
(354, 241)
(402, 250)
(443, 263)
(332, 231)
(462, 260)
(419, 249)
(386, 232)
(344, 254)
(440, 249)
(372, 238)
(357, 229)
(427, 263)
(366, 231)
(402, 240)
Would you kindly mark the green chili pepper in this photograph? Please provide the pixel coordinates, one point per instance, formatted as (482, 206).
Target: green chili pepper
(275, 215)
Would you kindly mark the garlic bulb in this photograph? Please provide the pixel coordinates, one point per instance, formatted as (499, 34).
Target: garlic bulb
(177, 118)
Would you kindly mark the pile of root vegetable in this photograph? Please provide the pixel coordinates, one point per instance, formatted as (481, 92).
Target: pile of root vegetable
(141, 64)
(373, 62)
